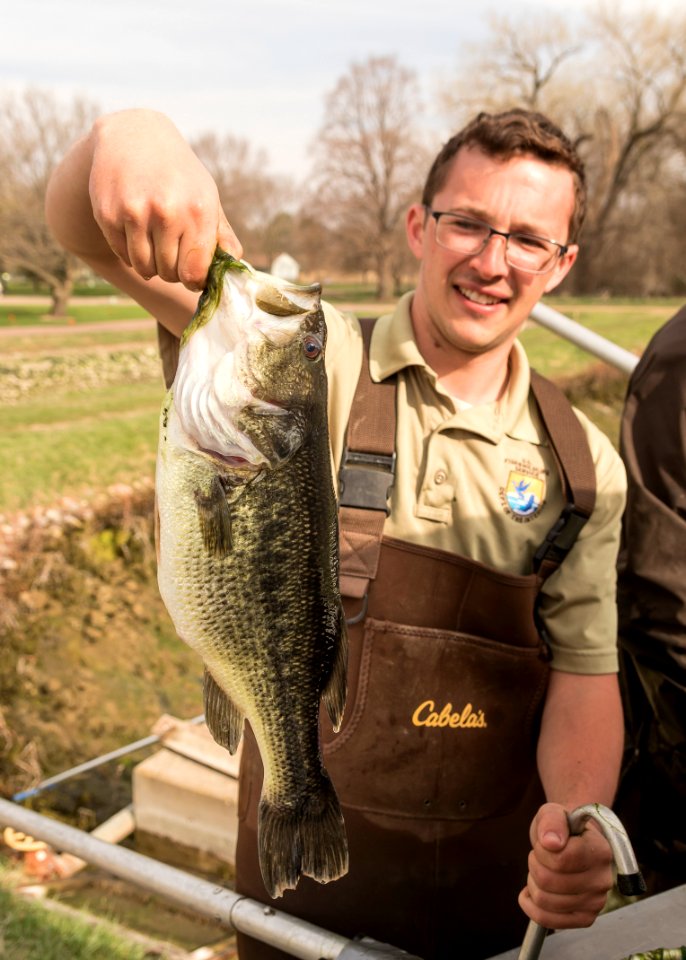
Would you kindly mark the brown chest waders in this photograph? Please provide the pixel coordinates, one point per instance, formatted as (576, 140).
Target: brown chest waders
(435, 763)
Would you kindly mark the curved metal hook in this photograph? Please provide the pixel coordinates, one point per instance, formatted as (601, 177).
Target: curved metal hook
(361, 615)
(629, 879)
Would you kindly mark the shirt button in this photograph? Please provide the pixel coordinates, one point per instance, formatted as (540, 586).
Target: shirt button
(440, 477)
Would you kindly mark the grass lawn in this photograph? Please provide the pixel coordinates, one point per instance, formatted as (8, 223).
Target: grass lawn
(35, 314)
(78, 442)
(630, 324)
(29, 932)
(16, 287)
(96, 424)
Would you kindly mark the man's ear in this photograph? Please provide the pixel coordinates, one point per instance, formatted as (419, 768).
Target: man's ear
(562, 267)
(415, 225)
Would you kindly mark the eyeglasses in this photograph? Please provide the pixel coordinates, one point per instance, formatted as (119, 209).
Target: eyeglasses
(523, 251)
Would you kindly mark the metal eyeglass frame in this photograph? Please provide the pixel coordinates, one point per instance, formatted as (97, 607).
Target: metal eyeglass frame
(560, 252)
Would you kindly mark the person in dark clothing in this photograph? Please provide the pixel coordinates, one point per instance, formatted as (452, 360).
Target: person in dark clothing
(652, 607)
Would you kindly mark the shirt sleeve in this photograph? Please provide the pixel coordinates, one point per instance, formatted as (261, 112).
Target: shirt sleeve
(343, 362)
(578, 603)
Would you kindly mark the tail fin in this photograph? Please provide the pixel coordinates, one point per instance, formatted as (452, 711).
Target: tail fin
(308, 839)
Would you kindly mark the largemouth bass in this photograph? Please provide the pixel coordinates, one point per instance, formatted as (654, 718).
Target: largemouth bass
(248, 548)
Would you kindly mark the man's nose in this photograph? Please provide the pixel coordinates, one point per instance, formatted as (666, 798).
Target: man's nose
(492, 258)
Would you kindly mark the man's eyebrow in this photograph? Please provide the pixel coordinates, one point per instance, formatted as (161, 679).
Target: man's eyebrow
(478, 213)
(465, 210)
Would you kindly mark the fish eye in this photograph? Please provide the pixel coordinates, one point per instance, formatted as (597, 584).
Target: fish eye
(312, 347)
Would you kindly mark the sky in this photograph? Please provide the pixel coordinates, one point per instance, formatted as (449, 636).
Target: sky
(257, 69)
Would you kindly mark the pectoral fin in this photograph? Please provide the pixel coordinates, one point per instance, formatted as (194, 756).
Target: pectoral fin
(214, 515)
(224, 720)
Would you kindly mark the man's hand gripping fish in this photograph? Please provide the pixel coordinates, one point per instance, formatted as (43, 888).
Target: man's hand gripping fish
(248, 548)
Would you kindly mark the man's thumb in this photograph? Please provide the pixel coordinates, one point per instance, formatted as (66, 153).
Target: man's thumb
(553, 827)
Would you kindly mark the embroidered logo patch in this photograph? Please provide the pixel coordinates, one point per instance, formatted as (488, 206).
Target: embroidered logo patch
(524, 494)
(427, 714)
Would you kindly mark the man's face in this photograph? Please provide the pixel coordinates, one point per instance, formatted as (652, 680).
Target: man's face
(474, 304)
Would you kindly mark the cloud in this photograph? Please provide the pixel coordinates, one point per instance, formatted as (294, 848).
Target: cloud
(259, 70)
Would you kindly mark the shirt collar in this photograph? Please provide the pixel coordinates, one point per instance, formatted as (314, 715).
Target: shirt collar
(394, 348)
(393, 345)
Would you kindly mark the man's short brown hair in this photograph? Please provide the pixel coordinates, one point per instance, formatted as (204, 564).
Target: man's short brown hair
(509, 134)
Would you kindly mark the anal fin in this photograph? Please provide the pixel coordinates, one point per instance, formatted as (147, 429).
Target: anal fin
(224, 720)
(336, 687)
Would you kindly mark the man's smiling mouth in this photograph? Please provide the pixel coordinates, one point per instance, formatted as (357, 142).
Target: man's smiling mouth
(476, 297)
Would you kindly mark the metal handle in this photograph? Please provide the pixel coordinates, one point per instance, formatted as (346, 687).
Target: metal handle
(629, 879)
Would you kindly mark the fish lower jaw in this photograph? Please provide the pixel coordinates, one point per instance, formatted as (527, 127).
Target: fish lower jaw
(238, 459)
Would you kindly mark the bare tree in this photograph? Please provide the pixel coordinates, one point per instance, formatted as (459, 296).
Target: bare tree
(521, 67)
(617, 86)
(315, 242)
(635, 139)
(250, 195)
(35, 131)
(280, 235)
(369, 160)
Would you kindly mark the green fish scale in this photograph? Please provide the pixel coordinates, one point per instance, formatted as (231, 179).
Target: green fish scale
(249, 568)
(264, 616)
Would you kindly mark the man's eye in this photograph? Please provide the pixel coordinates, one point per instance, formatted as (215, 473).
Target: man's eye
(464, 225)
(528, 242)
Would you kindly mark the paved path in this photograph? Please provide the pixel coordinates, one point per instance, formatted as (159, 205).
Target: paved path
(18, 300)
(141, 323)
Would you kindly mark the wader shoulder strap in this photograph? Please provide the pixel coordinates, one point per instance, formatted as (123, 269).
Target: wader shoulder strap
(577, 471)
(368, 468)
(366, 476)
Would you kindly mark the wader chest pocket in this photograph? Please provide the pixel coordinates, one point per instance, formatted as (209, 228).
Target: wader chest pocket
(437, 724)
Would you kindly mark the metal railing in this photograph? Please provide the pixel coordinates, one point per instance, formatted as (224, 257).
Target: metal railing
(104, 758)
(589, 341)
(295, 936)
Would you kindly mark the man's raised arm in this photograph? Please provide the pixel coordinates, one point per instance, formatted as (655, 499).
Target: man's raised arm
(133, 201)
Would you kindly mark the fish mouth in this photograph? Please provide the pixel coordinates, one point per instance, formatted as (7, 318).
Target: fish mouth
(227, 406)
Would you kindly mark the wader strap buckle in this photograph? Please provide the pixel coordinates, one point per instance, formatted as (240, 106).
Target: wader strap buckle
(366, 480)
(361, 614)
(560, 538)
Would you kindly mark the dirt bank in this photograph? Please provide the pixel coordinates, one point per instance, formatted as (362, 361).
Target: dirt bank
(89, 657)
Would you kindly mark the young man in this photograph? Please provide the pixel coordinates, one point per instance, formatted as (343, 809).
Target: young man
(460, 748)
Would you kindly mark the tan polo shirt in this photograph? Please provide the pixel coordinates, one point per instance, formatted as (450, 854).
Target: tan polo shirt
(481, 482)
